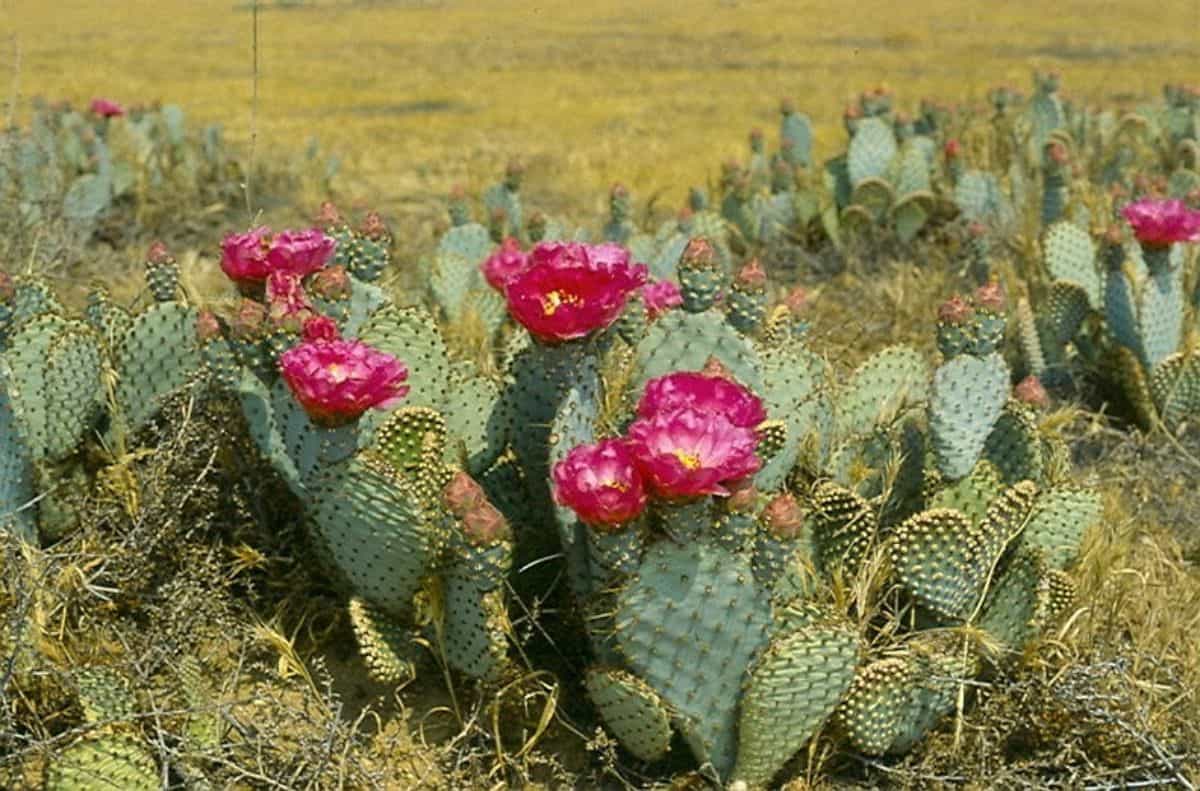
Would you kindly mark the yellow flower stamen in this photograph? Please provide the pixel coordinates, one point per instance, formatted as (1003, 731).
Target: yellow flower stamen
(688, 460)
(556, 299)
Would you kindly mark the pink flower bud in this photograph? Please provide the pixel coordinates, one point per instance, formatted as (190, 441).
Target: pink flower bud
(698, 254)
(751, 277)
(504, 264)
(159, 254)
(374, 228)
(207, 326)
(797, 301)
(783, 516)
(990, 297)
(955, 311)
(1161, 223)
(250, 319)
(106, 108)
(1030, 391)
(320, 328)
(952, 149)
(601, 484)
(661, 296)
(327, 216)
(484, 525)
(462, 494)
(331, 283)
(8, 289)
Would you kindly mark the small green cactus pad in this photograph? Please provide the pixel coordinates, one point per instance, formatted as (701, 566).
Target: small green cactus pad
(681, 341)
(31, 299)
(875, 195)
(157, 357)
(1127, 370)
(574, 425)
(873, 712)
(412, 441)
(1066, 308)
(374, 529)
(103, 763)
(1060, 518)
(967, 398)
(1120, 312)
(474, 422)
(386, 646)
(412, 336)
(796, 130)
(265, 429)
(1014, 446)
(794, 379)
(1010, 613)
(16, 475)
(632, 710)
(794, 686)
(911, 213)
(843, 527)
(880, 389)
(689, 624)
(980, 198)
(104, 695)
(1029, 338)
(54, 383)
(1161, 315)
(475, 625)
(972, 494)
(871, 150)
(110, 321)
(1175, 388)
(912, 169)
(1070, 256)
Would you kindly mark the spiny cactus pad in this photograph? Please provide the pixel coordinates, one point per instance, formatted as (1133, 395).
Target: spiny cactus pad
(681, 341)
(1070, 256)
(1060, 518)
(843, 527)
(632, 710)
(103, 763)
(158, 356)
(794, 686)
(385, 645)
(880, 388)
(695, 662)
(968, 397)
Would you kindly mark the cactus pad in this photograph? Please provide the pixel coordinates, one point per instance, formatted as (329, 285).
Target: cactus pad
(681, 341)
(384, 645)
(1061, 516)
(103, 763)
(632, 710)
(1070, 255)
(881, 388)
(158, 356)
(968, 397)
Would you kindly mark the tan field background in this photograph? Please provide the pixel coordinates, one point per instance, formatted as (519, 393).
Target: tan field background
(416, 96)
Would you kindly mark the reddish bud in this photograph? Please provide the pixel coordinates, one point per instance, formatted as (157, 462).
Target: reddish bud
(462, 494)
(159, 254)
(783, 516)
(320, 328)
(8, 289)
(485, 525)
(952, 149)
(249, 321)
(1058, 153)
(797, 300)
(751, 276)
(698, 254)
(328, 215)
(742, 495)
(1030, 391)
(207, 326)
(715, 369)
(374, 228)
(955, 311)
(331, 283)
(990, 297)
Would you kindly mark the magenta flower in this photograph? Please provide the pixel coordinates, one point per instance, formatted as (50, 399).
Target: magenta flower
(502, 265)
(336, 381)
(601, 484)
(660, 296)
(570, 290)
(244, 255)
(300, 252)
(1161, 223)
(705, 393)
(688, 452)
(106, 108)
(287, 305)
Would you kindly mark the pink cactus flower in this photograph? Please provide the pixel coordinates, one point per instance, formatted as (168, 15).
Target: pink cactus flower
(706, 393)
(287, 305)
(688, 453)
(300, 252)
(320, 328)
(244, 255)
(601, 484)
(106, 108)
(504, 264)
(336, 381)
(661, 296)
(1161, 223)
(570, 290)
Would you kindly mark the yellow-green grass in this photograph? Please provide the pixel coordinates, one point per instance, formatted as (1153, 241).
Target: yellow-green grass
(419, 95)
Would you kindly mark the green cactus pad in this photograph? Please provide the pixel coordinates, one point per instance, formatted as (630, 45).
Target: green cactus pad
(632, 710)
(980, 198)
(110, 321)
(1161, 315)
(104, 695)
(1175, 388)
(971, 495)
(54, 383)
(16, 475)
(159, 356)
(880, 389)
(412, 336)
(386, 647)
(945, 562)
(912, 174)
(1126, 368)
(1066, 308)
(967, 398)
(103, 763)
(911, 213)
(681, 341)
(412, 441)
(875, 195)
(1060, 518)
(1010, 612)
(475, 423)
(1015, 446)
(265, 429)
(689, 624)
(1029, 338)
(1070, 255)
(874, 710)
(1120, 312)
(475, 625)
(843, 528)
(871, 150)
(794, 686)
(374, 529)
(794, 380)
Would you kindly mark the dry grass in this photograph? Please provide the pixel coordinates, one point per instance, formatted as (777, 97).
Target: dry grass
(653, 93)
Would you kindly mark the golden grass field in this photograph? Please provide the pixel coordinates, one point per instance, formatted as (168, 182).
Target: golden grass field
(419, 95)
